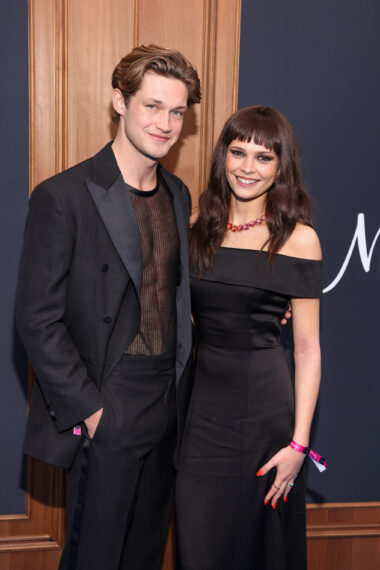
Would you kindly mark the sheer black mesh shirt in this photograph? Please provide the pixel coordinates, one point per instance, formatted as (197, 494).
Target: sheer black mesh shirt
(157, 224)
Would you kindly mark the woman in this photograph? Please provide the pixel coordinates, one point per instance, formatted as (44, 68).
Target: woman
(240, 493)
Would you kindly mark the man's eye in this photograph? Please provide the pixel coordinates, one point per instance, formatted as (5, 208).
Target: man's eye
(179, 114)
(151, 106)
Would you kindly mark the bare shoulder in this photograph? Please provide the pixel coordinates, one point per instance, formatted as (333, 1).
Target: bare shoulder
(304, 243)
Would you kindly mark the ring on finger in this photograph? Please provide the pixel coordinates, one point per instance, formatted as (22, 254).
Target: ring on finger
(275, 486)
(291, 484)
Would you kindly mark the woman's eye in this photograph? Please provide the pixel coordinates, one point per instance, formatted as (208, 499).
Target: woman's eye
(236, 152)
(265, 158)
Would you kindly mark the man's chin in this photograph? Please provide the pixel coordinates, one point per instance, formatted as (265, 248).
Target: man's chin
(156, 154)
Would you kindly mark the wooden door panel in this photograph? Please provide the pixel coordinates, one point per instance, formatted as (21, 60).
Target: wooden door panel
(40, 532)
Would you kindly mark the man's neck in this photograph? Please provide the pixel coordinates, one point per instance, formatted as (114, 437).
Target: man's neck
(137, 170)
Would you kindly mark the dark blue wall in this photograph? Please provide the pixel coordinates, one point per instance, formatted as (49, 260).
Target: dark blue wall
(13, 206)
(318, 63)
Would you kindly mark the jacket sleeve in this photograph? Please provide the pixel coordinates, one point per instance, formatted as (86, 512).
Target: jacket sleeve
(70, 394)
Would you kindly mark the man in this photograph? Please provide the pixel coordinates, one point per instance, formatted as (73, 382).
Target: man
(103, 309)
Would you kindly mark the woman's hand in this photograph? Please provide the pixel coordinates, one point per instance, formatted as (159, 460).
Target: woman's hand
(287, 315)
(288, 462)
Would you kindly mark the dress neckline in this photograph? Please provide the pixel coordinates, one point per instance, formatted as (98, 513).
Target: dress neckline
(266, 252)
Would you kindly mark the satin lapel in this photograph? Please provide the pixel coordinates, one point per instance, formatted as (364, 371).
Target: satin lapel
(183, 230)
(184, 334)
(115, 208)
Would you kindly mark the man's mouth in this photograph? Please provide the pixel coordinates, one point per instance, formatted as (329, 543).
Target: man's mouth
(159, 138)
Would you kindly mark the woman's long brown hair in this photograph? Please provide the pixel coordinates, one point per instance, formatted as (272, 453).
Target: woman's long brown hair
(287, 200)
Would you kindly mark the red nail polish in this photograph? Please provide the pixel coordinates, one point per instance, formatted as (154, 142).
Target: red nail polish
(285, 499)
(274, 506)
(260, 472)
(266, 501)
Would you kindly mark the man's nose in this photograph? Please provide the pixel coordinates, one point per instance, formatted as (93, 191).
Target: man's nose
(163, 121)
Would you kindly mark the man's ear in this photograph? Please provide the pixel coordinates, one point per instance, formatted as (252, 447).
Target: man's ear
(118, 101)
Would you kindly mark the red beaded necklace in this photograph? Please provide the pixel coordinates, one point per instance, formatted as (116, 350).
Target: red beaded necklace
(246, 226)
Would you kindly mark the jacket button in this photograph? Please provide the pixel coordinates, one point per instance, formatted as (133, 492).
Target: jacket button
(52, 413)
(105, 267)
(107, 319)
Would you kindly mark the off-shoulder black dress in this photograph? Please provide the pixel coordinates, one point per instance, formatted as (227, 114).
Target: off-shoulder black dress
(241, 414)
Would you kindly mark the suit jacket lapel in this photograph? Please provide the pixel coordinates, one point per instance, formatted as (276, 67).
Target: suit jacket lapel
(184, 334)
(181, 216)
(114, 205)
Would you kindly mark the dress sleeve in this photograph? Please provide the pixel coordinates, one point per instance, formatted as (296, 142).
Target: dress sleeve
(290, 276)
(299, 278)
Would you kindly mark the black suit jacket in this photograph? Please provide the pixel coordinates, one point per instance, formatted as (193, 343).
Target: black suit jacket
(78, 305)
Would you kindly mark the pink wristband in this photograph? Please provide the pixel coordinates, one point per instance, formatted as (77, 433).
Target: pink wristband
(318, 460)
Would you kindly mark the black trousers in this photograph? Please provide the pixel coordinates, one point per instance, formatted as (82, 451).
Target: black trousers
(120, 486)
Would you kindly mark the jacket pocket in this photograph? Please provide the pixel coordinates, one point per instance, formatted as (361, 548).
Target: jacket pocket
(100, 427)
